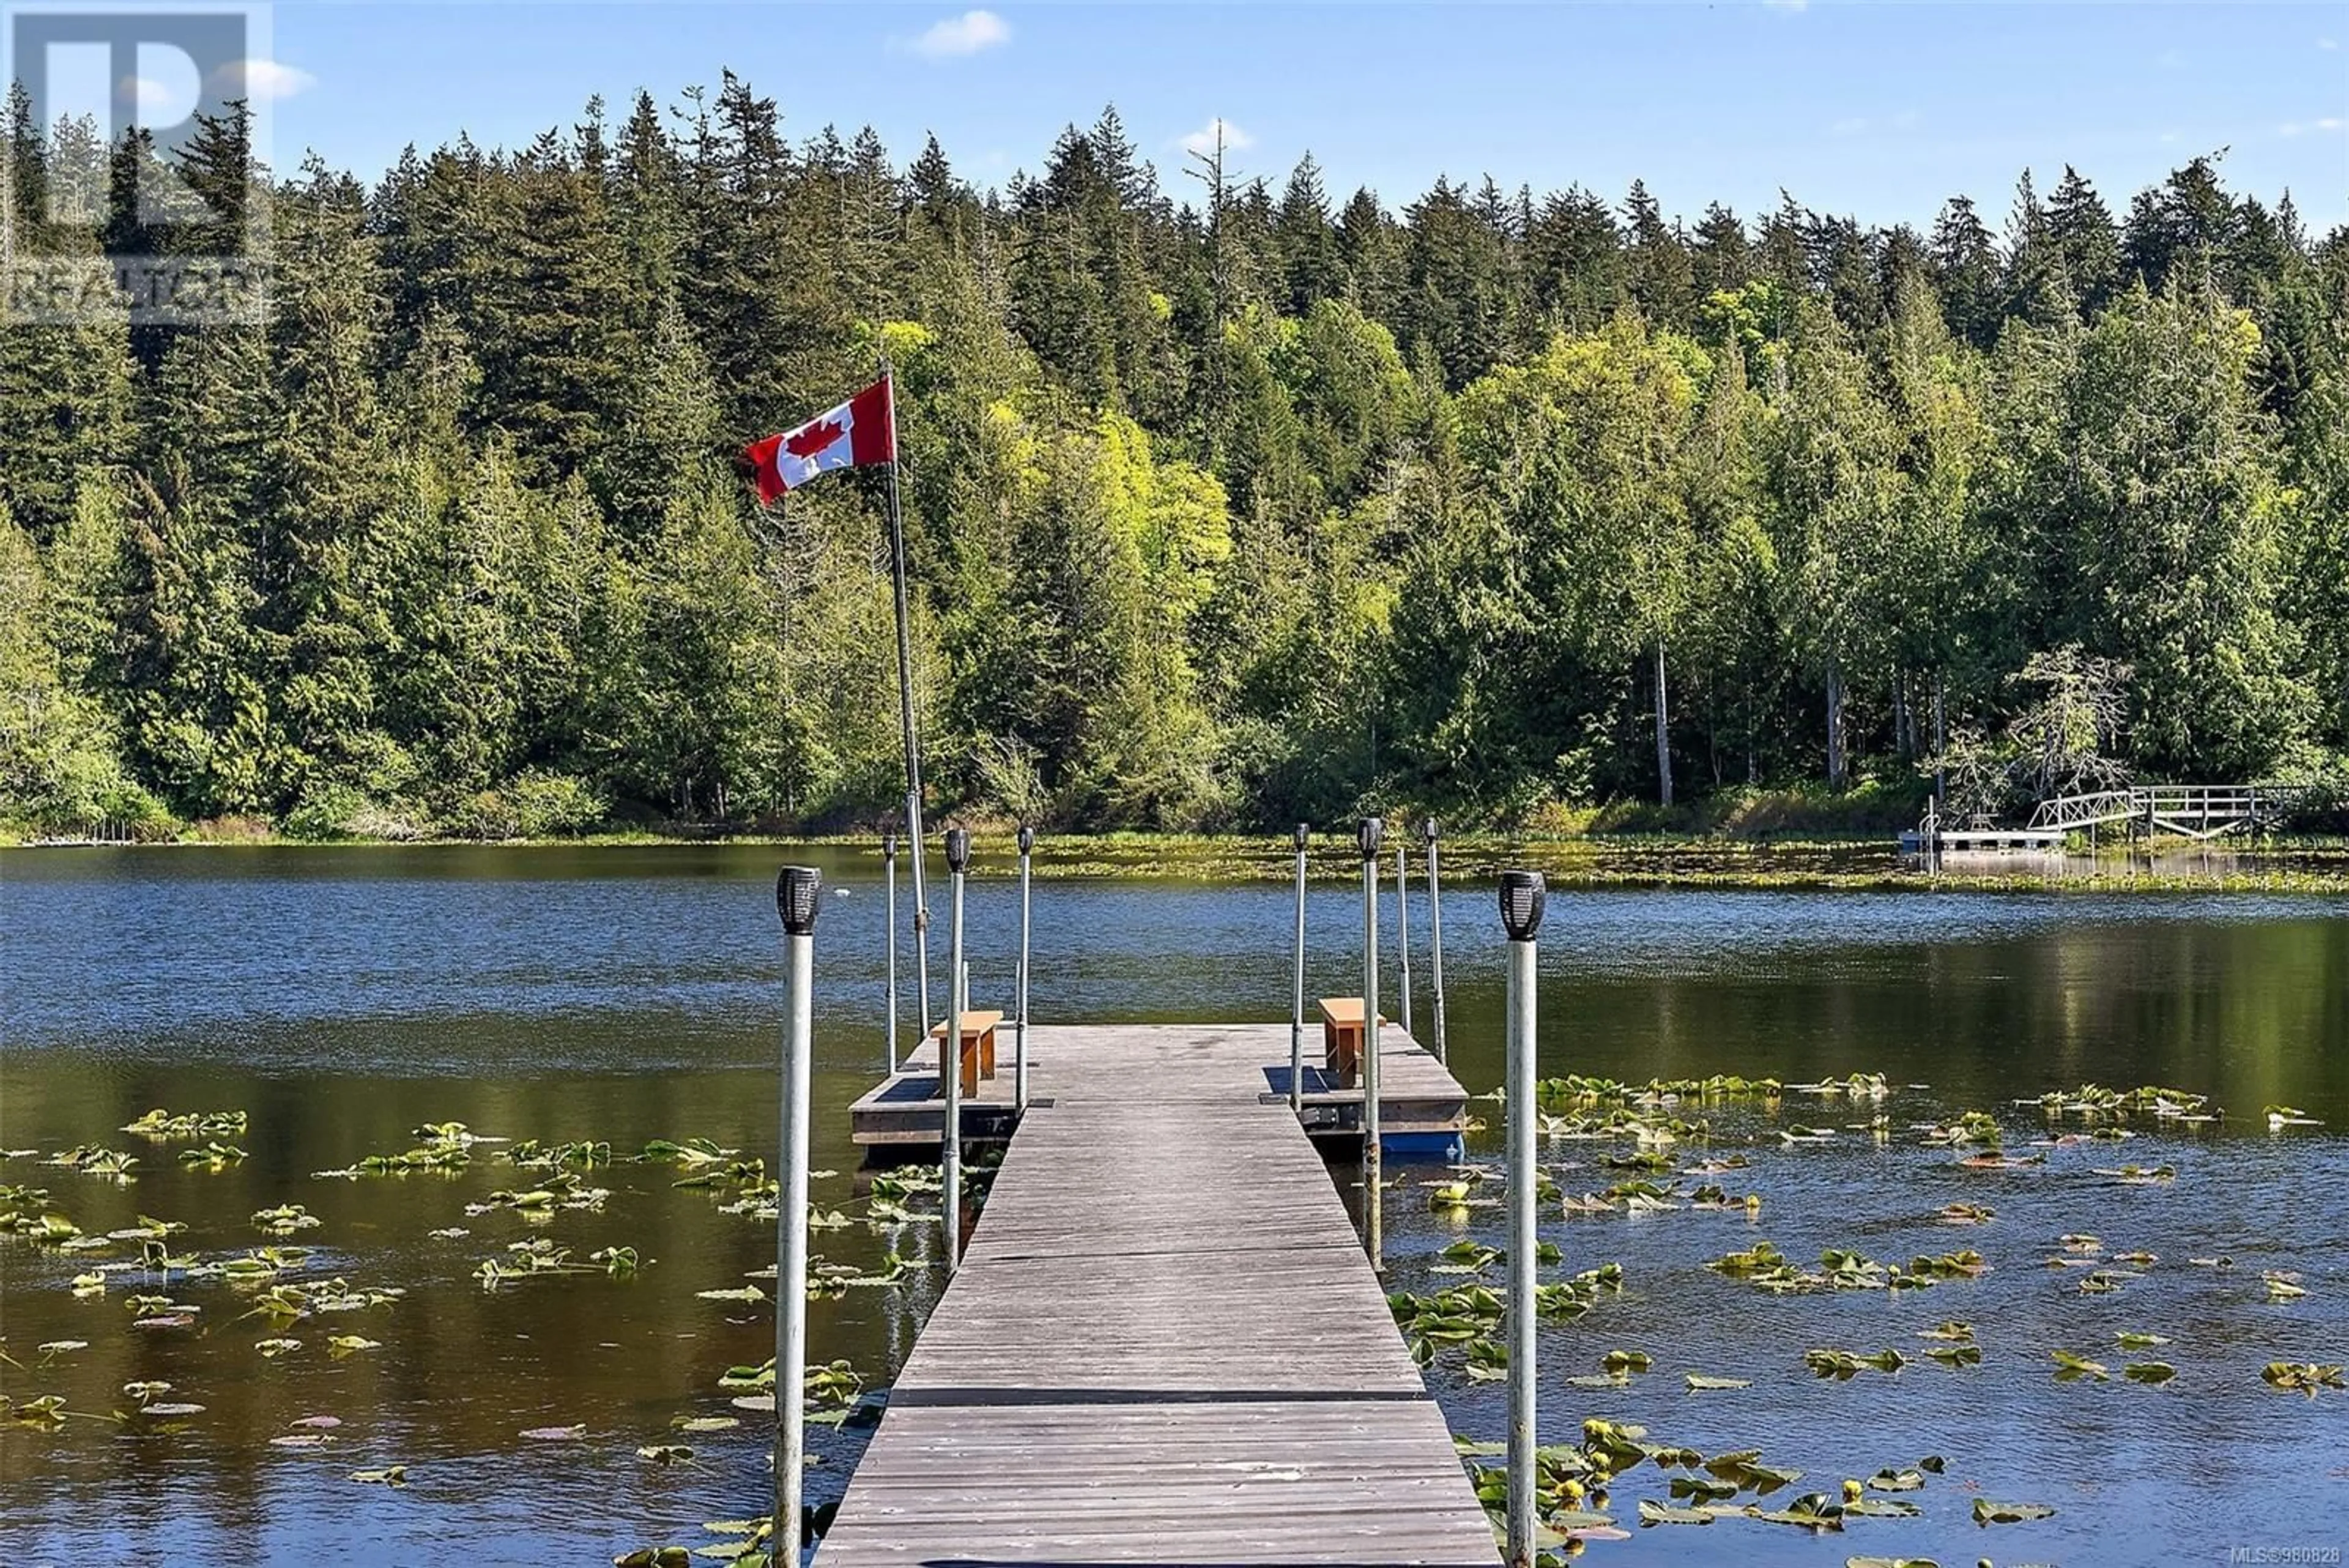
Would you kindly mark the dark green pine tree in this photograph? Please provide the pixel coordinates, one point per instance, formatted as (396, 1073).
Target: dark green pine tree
(1660, 276)
(1371, 251)
(554, 334)
(1720, 256)
(2081, 229)
(1966, 272)
(1311, 269)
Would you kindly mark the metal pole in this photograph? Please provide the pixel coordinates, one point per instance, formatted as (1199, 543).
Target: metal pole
(889, 921)
(1373, 1163)
(1522, 897)
(1436, 935)
(1403, 927)
(950, 1051)
(1297, 1016)
(906, 707)
(1020, 1040)
(798, 898)
(921, 912)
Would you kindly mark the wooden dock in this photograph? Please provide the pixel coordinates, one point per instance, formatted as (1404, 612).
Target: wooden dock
(1165, 1344)
(1423, 1109)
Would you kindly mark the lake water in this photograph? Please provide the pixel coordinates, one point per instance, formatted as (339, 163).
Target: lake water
(344, 997)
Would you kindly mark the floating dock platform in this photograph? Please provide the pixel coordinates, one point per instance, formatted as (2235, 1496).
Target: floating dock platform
(1165, 1342)
(1423, 1109)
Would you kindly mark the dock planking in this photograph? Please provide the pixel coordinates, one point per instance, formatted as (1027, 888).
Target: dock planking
(1422, 1109)
(1165, 1344)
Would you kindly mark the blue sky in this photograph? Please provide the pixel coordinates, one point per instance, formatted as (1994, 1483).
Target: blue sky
(1880, 110)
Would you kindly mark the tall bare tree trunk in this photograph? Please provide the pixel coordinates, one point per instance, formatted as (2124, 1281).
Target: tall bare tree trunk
(1663, 732)
(1835, 766)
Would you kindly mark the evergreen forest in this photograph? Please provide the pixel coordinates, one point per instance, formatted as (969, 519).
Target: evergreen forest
(1231, 499)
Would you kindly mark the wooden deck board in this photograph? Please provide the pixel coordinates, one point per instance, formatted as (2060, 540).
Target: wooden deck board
(1219, 1063)
(1165, 1345)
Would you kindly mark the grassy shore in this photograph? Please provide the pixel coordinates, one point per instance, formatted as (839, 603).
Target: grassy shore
(2303, 864)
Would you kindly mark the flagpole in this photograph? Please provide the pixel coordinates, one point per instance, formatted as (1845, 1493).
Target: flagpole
(905, 714)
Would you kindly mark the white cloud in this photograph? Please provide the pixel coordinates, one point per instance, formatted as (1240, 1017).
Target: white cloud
(965, 35)
(1203, 141)
(157, 101)
(259, 81)
(1786, 4)
(2303, 127)
(2328, 43)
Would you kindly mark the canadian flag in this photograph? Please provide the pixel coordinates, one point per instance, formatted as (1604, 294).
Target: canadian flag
(861, 432)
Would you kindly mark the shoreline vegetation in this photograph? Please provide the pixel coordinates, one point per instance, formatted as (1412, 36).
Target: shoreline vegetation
(1590, 858)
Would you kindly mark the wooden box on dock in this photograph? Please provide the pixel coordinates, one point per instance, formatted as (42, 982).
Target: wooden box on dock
(976, 1056)
(1342, 1039)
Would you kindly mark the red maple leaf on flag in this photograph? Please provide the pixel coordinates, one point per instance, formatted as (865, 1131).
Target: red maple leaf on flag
(813, 438)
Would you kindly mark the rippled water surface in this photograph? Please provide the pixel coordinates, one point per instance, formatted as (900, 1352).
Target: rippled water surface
(344, 997)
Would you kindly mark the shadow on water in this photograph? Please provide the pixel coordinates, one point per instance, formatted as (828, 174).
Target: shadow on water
(346, 997)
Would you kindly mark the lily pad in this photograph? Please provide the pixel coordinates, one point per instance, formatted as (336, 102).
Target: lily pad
(1698, 1382)
(1989, 1513)
(555, 1434)
(2071, 1368)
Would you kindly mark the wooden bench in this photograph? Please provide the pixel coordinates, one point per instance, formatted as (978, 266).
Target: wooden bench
(1342, 1038)
(978, 1053)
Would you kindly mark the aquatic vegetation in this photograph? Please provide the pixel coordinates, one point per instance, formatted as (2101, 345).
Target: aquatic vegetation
(832, 1281)
(2071, 1368)
(530, 1260)
(559, 1191)
(1698, 1382)
(160, 1124)
(1764, 1267)
(95, 1160)
(2283, 1117)
(2139, 1176)
(1985, 1511)
(693, 1151)
(1844, 1365)
(1974, 1127)
(285, 1219)
(744, 1294)
(391, 1475)
(211, 1156)
(2303, 1376)
(47, 1228)
(289, 1302)
(584, 1153)
(2091, 1102)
